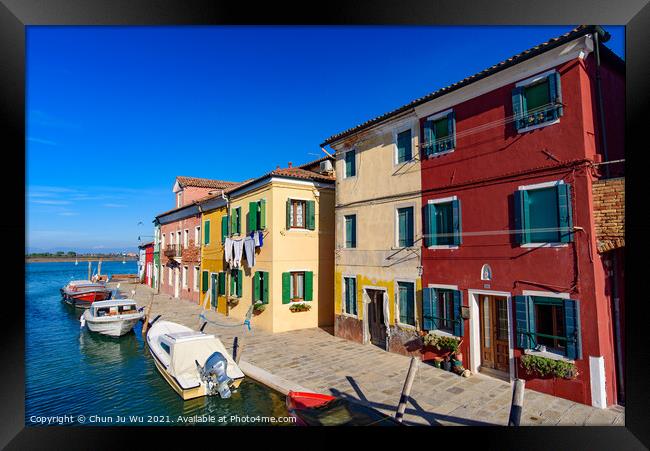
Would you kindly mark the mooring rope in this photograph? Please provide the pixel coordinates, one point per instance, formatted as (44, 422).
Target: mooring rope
(247, 321)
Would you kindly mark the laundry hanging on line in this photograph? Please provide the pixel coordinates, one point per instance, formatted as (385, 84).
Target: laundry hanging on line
(249, 248)
(258, 238)
(237, 251)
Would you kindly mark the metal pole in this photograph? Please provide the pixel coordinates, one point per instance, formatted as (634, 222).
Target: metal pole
(406, 390)
(235, 349)
(517, 404)
(89, 269)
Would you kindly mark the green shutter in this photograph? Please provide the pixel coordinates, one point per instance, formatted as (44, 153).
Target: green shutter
(565, 213)
(252, 216)
(402, 227)
(429, 218)
(213, 290)
(222, 283)
(265, 287)
(350, 161)
(524, 321)
(206, 232)
(311, 214)
(429, 138)
(224, 228)
(572, 329)
(518, 109)
(522, 217)
(457, 222)
(204, 281)
(555, 91)
(309, 286)
(288, 214)
(451, 130)
(404, 152)
(239, 220)
(233, 283)
(286, 288)
(256, 286)
(233, 221)
(262, 224)
(240, 280)
(459, 323)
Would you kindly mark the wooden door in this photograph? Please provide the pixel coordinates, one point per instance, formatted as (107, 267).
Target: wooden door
(494, 333)
(376, 318)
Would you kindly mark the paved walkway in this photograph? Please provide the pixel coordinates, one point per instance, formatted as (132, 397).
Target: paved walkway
(317, 360)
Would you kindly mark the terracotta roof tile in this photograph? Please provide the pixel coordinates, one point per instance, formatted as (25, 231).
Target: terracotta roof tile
(203, 183)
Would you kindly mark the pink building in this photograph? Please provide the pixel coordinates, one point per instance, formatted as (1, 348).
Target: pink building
(180, 235)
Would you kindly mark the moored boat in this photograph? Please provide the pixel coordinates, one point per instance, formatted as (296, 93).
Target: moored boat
(194, 363)
(82, 293)
(315, 409)
(113, 317)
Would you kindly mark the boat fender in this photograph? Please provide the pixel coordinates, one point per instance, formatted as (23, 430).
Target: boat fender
(82, 320)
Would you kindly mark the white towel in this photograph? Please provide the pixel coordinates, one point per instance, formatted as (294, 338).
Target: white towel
(249, 248)
(237, 250)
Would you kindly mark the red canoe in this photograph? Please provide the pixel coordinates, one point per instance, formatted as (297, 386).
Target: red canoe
(315, 409)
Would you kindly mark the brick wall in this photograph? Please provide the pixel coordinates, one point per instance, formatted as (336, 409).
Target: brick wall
(609, 213)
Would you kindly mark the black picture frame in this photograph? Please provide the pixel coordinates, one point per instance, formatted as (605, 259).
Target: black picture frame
(15, 15)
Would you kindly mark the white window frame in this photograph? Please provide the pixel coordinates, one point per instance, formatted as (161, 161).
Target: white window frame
(197, 276)
(345, 233)
(184, 276)
(443, 333)
(343, 312)
(415, 304)
(356, 163)
(396, 131)
(411, 205)
(171, 238)
(186, 238)
(304, 229)
(197, 236)
(435, 117)
(527, 82)
(443, 200)
(534, 187)
(163, 241)
(179, 199)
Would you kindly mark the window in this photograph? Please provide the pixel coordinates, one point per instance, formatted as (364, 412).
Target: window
(404, 149)
(350, 163)
(178, 238)
(196, 277)
(197, 236)
(163, 241)
(297, 214)
(351, 231)
(257, 215)
(206, 232)
(171, 239)
(543, 214)
(184, 276)
(441, 310)
(548, 321)
(439, 133)
(442, 223)
(405, 227)
(261, 287)
(350, 295)
(537, 101)
(235, 221)
(224, 228)
(186, 238)
(179, 199)
(165, 347)
(297, 286)
(406, 302)
(236, 279)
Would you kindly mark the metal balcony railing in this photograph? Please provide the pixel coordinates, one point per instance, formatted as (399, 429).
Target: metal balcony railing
(173, 250)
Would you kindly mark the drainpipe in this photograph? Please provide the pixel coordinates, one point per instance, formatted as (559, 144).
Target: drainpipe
(617, 329)
(599, 93)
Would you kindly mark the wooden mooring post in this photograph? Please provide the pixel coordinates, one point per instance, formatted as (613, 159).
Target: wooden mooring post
(406, 390)
(517, 404)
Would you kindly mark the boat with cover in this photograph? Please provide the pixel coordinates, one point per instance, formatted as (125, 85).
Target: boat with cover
(194, 363)
(82, 293)
(114, 317)
(315, 409)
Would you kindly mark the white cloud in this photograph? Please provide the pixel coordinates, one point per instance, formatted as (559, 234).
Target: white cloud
(50, 202)
(41, 141)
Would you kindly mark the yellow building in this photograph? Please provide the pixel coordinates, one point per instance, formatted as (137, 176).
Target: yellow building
(378, 250)
(292, 275)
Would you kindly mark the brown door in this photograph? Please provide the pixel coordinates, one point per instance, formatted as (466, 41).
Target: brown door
(494, 333)
(376, 318)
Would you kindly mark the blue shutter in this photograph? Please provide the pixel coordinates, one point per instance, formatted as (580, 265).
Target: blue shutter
(428, 298)
(522, 217)
(525, 321)
(518, 109)
(572, 329)
(429, 218)
(459, 324)
(451, 127)
(429, 138)
(565, 213)
(555, 94)
(457, 223)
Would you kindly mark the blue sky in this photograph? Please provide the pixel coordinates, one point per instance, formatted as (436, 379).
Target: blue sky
(114, 114)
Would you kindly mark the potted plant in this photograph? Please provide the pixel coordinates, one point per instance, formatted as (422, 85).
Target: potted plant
(446, 364)
(300, 308)
(258, 307)
(233, 301)
(544, 367)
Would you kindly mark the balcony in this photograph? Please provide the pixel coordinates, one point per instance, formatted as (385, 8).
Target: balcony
(173, 250)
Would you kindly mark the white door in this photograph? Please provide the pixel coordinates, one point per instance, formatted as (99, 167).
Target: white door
(177, 282)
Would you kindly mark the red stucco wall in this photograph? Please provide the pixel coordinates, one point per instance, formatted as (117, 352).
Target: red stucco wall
(190, 258)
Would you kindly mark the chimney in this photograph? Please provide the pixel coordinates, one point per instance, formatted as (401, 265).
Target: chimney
(277, 167)
(289, 164)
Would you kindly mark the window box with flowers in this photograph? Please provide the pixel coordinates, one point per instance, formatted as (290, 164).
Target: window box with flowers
(302, 307)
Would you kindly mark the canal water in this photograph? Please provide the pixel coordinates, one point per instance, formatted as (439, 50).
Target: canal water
(98, 380)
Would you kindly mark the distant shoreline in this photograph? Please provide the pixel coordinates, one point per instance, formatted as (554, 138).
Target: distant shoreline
(80, 259)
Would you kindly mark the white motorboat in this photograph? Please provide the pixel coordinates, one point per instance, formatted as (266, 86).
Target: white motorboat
(114, 317)
(194, 363)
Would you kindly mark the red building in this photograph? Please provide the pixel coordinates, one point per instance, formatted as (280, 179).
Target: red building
(148, 263)
(508, 171)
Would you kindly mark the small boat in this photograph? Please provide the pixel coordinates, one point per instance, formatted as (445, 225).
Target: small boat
(114, 317)
(315, 409)
(194, 363)
(82, 293)
(76, 262)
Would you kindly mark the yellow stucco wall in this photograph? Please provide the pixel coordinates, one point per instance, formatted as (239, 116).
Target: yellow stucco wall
(291, 250)
(212, 254)
(370, 195)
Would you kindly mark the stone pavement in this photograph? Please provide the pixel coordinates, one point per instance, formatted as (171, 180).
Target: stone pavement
(317, 360)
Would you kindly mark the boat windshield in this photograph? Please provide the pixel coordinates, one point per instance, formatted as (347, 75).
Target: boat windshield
(341, 412)
(128, 308)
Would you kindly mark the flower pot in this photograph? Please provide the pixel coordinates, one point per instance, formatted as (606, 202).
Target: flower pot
(446, 365)
(459, 356)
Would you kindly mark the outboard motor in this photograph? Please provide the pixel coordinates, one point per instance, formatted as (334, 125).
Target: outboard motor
(213, 373)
